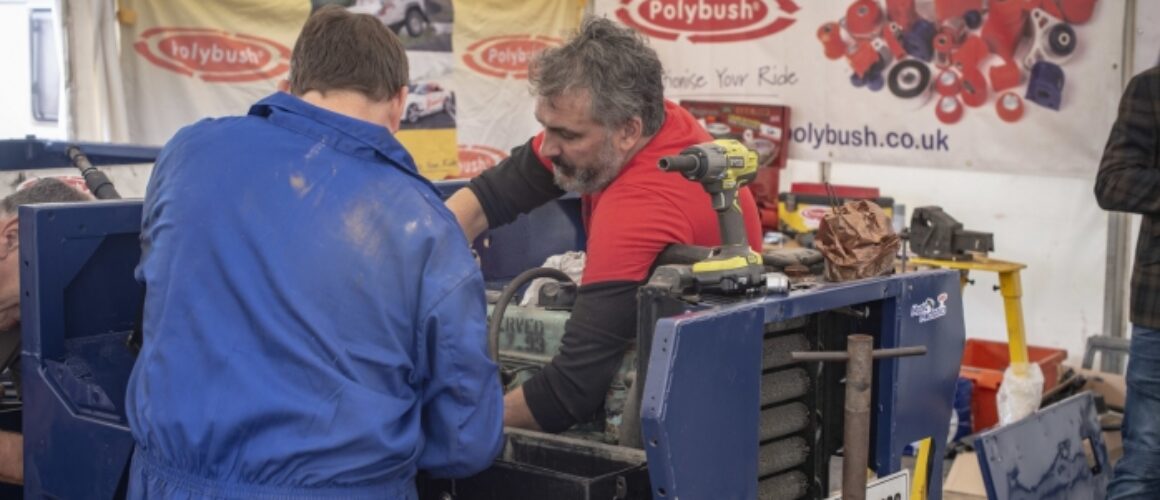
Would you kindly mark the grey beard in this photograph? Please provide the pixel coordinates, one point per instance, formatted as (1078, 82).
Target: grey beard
(589, 181)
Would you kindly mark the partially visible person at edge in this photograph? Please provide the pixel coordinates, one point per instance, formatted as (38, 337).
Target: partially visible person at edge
(45, 190)
(1129, 181)
(601, 102)
(314, 320)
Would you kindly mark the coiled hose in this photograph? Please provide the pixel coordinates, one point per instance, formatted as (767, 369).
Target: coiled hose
(509, 291)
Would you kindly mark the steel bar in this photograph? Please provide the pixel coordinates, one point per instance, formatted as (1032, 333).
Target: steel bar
(894, 352)
(856, 434)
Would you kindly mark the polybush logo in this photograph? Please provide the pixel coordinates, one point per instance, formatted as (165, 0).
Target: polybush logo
(474, 159)
(929, 310)
(506, 56)
(214, 55)
(707, 21)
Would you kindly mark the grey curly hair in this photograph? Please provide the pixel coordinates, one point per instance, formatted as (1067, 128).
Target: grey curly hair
(614, 64)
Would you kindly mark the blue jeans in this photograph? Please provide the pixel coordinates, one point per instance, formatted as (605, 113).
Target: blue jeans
(1137, 473)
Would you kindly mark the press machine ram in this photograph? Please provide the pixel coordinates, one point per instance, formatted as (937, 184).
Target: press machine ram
(708, 405)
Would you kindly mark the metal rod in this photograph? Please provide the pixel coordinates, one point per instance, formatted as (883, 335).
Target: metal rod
(856, 432)
(893, 352)
(859, 357)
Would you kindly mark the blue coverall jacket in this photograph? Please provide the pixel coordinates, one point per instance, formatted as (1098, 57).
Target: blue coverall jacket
(314, 320)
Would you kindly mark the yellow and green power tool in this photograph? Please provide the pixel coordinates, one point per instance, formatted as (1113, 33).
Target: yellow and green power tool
(723, 167)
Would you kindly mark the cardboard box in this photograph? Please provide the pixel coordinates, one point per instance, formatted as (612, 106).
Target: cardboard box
(965, 480)
(1109, 385)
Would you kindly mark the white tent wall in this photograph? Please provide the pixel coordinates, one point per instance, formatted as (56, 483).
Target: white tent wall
(95, 92)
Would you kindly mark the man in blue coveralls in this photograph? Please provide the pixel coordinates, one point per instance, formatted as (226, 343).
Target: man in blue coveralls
(314, 320)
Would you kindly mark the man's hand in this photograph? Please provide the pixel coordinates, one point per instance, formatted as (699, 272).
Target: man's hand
(468, 211)
(516, 412)
(11, 458)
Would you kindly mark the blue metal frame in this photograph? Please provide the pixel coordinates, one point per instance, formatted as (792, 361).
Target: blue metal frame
(700, 422)
(1042, 456)
(699, 415)
(32, 153)
(80, 302)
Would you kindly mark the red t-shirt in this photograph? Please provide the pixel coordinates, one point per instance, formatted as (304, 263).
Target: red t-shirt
(645, 209)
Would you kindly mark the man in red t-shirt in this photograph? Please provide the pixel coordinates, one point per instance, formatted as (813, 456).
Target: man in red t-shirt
(606, 123)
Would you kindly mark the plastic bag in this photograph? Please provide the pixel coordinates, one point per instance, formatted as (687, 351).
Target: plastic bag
(858, 241)
(1020, 393)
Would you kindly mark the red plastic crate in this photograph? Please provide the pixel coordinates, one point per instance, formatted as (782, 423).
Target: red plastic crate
(984, 362)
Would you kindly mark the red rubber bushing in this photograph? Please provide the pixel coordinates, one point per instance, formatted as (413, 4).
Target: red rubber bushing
(1009, 106)
(948, 110)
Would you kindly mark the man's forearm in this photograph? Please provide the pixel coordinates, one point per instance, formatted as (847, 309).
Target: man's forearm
(1129, 188)
(516, 412)
(517, 185)
(11, 458)
(575, 383)
(468, 212)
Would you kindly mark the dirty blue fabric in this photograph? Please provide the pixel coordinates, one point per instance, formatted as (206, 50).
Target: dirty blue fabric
(1137, 474)
(314, 320)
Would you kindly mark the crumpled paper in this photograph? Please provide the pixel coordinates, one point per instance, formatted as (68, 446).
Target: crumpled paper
(858, 241)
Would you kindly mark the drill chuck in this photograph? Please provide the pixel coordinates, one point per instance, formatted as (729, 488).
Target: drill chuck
(687, 164)
(704, 163)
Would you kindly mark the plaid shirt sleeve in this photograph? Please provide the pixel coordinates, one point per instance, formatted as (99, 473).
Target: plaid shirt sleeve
(1129, 175)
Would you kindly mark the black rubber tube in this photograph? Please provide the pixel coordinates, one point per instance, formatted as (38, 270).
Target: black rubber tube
(97, 182)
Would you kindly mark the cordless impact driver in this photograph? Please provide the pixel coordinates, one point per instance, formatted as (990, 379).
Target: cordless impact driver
(723, 167)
